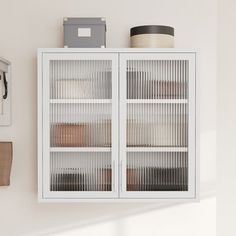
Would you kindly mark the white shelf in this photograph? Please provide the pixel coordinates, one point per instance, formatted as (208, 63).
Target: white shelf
(70, 101)
(158, 101)
(80, 149)
(128, 149)
(108, 101)
(156, 149)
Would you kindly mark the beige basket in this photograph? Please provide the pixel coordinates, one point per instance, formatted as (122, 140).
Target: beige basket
(5, 163)
(152, 36)
(156, 134)
(67, 135)
(98, 134)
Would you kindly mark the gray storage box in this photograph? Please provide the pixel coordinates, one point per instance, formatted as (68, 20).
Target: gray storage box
(84, 32)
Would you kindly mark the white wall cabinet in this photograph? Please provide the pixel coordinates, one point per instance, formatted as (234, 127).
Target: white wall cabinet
(117, 125)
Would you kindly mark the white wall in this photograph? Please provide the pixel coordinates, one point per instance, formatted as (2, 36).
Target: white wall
(226, 117)
(28, 24)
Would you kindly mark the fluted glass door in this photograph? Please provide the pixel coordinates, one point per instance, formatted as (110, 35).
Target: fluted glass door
(80, 125)
(157, 117)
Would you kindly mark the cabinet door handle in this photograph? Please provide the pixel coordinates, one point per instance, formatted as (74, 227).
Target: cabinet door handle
(121, 165)
(113, 174)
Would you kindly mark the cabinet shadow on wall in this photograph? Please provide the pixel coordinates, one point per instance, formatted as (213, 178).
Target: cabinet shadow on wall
(65, 218)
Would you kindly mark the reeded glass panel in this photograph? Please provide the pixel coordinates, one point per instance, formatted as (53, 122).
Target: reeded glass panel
(80, 171)
(153, 125)
(81, 79)
(157, 79)
(80, 125)
(162, 171)
(157, 119)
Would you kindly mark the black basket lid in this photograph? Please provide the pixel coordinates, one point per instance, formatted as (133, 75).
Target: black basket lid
(152, 29)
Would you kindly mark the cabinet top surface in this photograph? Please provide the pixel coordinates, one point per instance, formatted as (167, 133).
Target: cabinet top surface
(115, 50)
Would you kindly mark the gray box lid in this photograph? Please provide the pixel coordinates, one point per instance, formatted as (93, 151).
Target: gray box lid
(84, 21)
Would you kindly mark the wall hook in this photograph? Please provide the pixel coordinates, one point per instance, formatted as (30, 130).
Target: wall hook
(5, 85)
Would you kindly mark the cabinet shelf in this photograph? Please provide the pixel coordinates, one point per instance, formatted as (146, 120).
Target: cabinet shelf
(157, 101)
(80, 149)
(156, 149)
(80, 101)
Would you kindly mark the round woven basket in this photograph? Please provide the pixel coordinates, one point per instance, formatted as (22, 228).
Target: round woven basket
(152, 36)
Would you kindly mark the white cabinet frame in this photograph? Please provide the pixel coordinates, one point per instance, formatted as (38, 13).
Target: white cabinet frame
(119, 102)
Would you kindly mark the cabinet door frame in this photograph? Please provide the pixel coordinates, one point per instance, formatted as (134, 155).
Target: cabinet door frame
(192, 161)
(44, 126)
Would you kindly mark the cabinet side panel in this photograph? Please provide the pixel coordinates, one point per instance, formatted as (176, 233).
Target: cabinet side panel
(39, 121)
